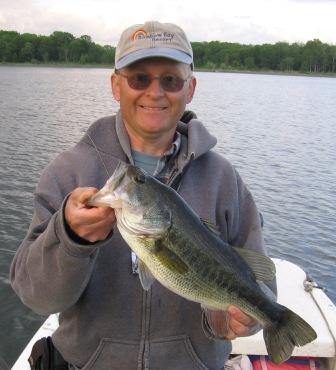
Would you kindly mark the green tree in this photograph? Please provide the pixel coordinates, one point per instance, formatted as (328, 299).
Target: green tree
(95, 53)
(331, 57)
(87, 39)
(287, 64)
(77, 47)
(312, 56)
(249, 63)
(108, 55)
(210, 66)
(199, 53)
(28, 47)
(45, 50)
(27, 52)
(61, 41)
(9, 46)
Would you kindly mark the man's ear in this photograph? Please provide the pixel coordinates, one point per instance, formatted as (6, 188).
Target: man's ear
(191, 89)
(115, 85)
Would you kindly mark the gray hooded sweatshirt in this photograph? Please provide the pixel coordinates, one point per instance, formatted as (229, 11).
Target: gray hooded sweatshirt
(107, 321)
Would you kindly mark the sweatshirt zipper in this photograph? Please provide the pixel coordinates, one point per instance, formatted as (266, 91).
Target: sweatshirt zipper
(143, 359)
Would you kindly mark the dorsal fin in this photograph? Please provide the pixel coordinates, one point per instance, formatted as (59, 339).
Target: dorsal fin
(212, 227)
(262, 266)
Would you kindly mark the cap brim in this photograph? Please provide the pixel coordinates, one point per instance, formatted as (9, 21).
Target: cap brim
(169, 53)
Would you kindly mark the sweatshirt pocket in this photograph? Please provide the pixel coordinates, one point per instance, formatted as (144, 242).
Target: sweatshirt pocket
(113, 354)
(174, 353)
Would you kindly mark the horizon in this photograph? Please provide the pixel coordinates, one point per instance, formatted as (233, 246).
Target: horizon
(194, 41)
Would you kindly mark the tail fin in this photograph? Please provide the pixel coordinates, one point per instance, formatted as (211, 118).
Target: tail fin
(290, 331)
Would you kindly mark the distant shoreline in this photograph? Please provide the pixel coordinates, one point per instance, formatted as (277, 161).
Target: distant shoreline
(270, 72)
(108, 66)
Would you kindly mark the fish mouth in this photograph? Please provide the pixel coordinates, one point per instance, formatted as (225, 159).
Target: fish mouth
(114, 191)
(107, 196)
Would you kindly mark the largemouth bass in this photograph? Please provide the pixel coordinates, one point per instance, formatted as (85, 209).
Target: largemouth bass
(186, 256)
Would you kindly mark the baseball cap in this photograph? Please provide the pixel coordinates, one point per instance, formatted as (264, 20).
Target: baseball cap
(153, 39)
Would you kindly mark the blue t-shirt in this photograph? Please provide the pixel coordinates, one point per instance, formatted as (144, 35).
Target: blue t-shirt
(147, 162)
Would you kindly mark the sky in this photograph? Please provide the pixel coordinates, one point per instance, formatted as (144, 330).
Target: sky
(242, 21)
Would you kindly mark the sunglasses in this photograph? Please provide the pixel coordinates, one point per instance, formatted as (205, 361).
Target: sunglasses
(141, 81)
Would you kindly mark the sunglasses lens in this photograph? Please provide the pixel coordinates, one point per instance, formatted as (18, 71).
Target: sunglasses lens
(139, 81)
(171, 83)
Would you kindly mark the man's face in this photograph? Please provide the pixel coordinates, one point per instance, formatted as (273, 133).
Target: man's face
(153, 112)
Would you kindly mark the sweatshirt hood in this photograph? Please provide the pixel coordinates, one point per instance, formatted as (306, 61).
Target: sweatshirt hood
(102, 135)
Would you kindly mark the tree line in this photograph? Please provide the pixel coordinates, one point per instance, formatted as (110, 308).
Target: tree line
(312, 56)
(58, 47)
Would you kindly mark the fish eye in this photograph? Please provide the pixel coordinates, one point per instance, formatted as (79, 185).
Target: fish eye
(139, 178)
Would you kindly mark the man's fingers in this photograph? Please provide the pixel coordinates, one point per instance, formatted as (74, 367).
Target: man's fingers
(240, 316)
(90, 223)
(230, 335)
(238, 328)
(95, 232)
(94, 215)
(81, 215)
(82, 195)
(229, 324)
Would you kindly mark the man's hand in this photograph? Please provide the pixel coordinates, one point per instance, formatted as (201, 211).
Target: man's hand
(89, 223)
(231, 323)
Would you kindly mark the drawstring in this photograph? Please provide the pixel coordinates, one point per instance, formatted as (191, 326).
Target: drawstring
(99, 155)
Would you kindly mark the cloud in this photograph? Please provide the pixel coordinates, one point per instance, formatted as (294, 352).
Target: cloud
(231, 30)
(260, 21)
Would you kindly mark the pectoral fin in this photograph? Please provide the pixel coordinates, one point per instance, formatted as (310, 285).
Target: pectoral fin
(262, 266)
(169, 259)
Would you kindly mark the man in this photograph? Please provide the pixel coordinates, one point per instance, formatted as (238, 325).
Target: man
(73, 259)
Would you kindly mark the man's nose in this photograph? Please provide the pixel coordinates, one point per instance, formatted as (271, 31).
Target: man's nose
(155, 87)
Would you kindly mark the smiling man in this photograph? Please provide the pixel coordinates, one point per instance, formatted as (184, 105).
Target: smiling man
(153, 94)
(73, 259)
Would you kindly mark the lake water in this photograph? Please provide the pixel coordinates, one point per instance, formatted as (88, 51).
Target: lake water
(279, 131)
